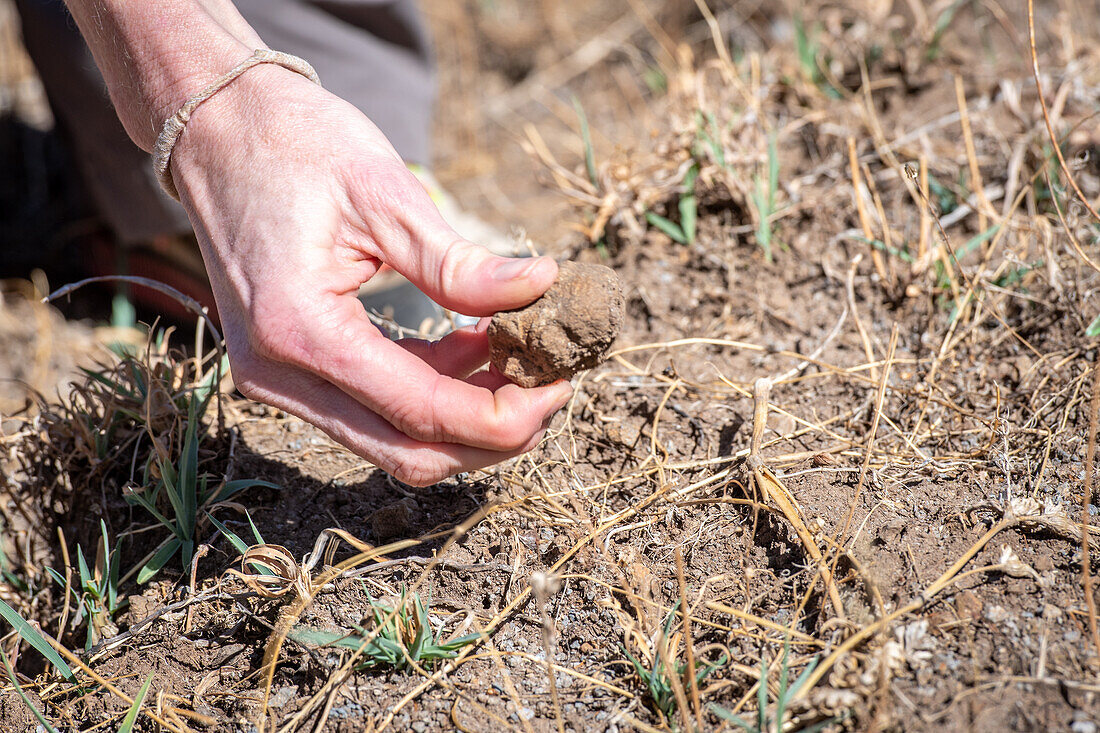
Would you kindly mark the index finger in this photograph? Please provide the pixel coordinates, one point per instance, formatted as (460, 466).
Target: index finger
(411, 395)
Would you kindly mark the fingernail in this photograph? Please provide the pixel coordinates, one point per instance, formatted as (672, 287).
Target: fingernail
(514, 269)
(566, 395)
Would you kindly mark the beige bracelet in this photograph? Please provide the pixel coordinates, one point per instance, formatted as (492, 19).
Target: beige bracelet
(173, 126)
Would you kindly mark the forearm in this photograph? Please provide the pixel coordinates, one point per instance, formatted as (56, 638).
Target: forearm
(154, 55)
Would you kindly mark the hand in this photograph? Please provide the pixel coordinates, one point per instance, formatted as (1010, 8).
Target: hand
(297, 199)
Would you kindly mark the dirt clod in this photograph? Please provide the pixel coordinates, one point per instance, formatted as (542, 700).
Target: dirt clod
(391, 521)
(565, 331)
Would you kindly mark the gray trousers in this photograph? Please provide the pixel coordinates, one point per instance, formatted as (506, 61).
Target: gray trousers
(373, 53)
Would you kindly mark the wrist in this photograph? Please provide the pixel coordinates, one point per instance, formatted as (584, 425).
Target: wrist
(186, 73)
(154, 56)
(235, 125)
(174, 126)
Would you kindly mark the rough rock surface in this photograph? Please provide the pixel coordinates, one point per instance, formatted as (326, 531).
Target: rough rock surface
(565, 331)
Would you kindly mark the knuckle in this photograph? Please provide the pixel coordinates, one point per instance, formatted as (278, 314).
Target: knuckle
(506, 435)
(416, 419)
(455, 258)
(507, 427)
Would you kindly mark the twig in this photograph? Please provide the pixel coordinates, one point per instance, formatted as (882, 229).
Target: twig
(1086, 504)
(689, 641)
(1046, 115)
(850, 289)
(770, 488)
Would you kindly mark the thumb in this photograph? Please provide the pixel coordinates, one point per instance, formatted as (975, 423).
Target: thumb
(454, 272)
(469, 279)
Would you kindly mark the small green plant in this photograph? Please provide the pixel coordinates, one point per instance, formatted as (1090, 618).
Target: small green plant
(1093, 328)
(239, 544)
(943, 22)
(186, 490)
(396, 637)
(944, 283)
(946, 200)
(688, 206)
(96, 589)
(590, 164)
(785, 693)
(655, 79)
(807, 46)
(586, 139)
(901, 253)
(763, 197)
(707, 133)
(661, 674)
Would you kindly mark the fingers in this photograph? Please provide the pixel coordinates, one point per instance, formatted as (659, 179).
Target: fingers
(458, 354)
(343, 347)
(406, 231)
(364, 432)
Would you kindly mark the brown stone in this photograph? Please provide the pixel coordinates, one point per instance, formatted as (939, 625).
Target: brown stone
(392, 521)
(968, 605)
(569, 329)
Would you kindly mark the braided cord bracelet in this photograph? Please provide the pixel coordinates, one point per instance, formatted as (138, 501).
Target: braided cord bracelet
(173, 126)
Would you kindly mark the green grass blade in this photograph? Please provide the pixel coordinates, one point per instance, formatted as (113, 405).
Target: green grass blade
(113, 568)
(458, 642)
(229, 488)
(586, 138)
(973, 242)
(86, 577)
(234, 539)
(150, 506)
(784, 677)
(6, 570)
(689, 206)
(319, 637)
(159, 560)
(1093, 328)
(255, 532)
(773, 170)
(669, 227)
(188, 485)
(878, 244)
(206, 390)
(762, 694)
(238, 544)
(423, 629)
(642, 674)
(764, 229)
(132, 713)
(729, 717)
(58, 577)
(798, 683)
(170, 480)
(805, 48)
(113, 386)
(15, 681)
(30, 635)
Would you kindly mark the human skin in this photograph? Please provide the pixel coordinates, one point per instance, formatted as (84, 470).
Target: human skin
(297, 199)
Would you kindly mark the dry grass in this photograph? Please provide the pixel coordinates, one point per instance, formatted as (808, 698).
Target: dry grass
(944, 385)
